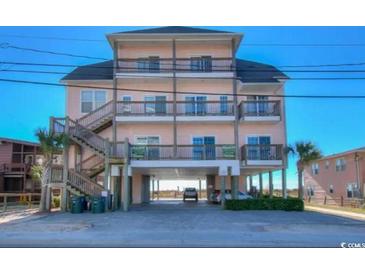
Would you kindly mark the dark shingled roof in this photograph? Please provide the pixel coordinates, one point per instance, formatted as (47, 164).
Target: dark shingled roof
(248, 71)
(98, 71)
(253, 72)
(170, 30)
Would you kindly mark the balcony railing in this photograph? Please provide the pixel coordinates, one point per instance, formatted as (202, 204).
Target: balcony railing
(14, 167)
(166, 65)
(183, 108)
(205, 108)
(145, 108)
(259, 108)
(183, 152)
(262, 152)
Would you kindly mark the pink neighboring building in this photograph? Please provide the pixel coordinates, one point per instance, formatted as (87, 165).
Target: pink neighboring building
(335, 176)
(174, 103)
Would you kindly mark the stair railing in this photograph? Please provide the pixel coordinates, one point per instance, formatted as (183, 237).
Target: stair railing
(96, 115)
(84, 184)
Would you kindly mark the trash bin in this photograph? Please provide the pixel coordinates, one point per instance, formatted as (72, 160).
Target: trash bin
(98, 205)
(77, 205)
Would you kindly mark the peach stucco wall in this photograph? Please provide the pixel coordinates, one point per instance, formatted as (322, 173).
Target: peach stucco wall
(183, 49)
(339, 179)
(73, 97)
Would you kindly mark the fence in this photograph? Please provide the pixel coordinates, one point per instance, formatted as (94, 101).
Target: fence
(337, 201)
(19, 199)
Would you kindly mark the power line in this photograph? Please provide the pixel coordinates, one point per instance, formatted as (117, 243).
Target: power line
(186, 92)
(52, 38)
(243, 70)
(7, 45)
(244, 44)
(188, 77)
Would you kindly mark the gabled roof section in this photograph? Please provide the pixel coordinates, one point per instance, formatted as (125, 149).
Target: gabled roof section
(173, 29)
(247, 71)
(254, 72)
(98, 71)
(344, 153)
(17, 141)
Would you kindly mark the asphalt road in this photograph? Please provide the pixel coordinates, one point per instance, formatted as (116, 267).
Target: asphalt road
(174, 224)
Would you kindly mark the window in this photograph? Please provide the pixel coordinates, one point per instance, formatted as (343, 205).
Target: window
(127, 106)
(203, 63)
(310, 191)
(195, 105)
(152, 153)
(331, 190)
(224, 104)
(257, 105)
(340, 164)
(204, 148)
(155, 104)
(315, 168)
(327, 164)
(92, 99)
(150, 64)
(258, 148)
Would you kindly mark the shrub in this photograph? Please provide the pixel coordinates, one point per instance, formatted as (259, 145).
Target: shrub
(290, 204)
(56, 201)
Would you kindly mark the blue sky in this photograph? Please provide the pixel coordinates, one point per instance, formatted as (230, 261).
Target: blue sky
(334, 125)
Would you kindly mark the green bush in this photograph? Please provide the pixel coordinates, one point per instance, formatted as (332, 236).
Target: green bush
(290, 204)
(56, 201)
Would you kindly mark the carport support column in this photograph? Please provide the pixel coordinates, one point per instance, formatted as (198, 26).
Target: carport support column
(234, 187)
(251, 182)
(283, 182)
(126, 177)
(153, 188)
(158, 189)
(200, 188)
(260, 184)
(223, 190)
(271, 187)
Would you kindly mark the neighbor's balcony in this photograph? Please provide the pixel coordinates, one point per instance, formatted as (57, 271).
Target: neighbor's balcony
(163, 111)
(182, 152)
(182, 67)
(260, 111)
(262, 155)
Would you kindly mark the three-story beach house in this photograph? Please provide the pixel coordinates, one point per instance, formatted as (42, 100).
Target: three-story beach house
(174, 103)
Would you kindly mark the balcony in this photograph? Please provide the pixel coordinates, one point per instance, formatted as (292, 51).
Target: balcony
(182, 152)
(262, 155)
(260, 111)
(186, 111)
(195, 66)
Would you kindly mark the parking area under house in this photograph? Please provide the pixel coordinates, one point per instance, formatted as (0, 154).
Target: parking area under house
(177, 224)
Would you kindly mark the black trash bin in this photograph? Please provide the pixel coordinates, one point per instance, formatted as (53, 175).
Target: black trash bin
(77, 205)
(98, 205)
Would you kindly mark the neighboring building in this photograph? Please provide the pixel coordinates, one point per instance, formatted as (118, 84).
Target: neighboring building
(187, 107)
(335, 176)
(16, 159)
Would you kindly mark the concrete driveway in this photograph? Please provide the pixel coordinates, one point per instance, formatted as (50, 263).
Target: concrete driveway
(174, 224)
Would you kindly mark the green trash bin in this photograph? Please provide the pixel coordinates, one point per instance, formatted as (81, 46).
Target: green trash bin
(76, 205)
(98, 205)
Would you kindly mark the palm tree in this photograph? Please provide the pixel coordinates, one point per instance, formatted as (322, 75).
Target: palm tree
(50, 144)
(306, 152)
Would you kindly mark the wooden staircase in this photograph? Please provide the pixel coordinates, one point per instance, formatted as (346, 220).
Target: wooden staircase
(84, 132)
(98, 119)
